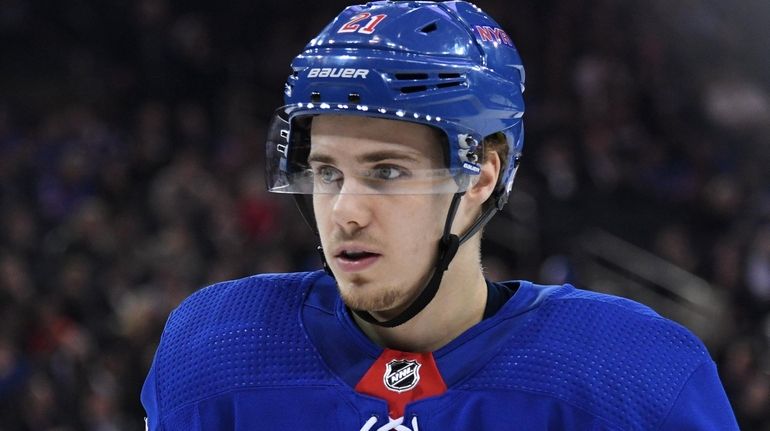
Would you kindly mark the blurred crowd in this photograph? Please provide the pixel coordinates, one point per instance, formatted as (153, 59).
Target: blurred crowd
(131, 157)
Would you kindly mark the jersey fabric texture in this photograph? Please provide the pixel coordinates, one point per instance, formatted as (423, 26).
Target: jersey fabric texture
(281, 352)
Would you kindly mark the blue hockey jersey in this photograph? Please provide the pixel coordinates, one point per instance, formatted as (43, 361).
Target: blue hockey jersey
(281, 352)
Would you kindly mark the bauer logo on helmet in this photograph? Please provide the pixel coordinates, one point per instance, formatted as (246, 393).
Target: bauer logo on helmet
(334, 72)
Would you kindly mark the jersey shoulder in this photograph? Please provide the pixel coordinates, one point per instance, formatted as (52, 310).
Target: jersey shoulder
(611, 356)
(235, 335)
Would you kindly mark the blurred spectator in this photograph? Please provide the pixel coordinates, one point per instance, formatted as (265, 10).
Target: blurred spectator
(758, 265)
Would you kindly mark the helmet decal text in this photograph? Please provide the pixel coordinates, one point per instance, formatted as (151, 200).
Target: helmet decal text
(352, 26)
(496, 34)
(335, 72)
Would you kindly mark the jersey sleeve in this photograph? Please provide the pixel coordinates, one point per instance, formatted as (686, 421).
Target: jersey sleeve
(150, 401)
(149, 394)
(702, 404)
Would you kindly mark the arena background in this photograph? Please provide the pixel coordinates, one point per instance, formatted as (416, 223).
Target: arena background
(131, 153)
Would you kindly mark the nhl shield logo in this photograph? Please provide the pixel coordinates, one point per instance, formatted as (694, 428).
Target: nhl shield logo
(401, 375)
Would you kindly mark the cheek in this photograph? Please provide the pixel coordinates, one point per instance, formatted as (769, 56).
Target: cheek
(419, 225)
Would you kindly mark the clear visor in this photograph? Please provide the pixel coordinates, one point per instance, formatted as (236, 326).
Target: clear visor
(291, 167)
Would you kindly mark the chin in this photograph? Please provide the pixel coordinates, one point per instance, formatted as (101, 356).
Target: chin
(353, 284)
(364, 295)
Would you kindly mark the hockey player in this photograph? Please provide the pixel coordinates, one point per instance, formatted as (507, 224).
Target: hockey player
(400, 138)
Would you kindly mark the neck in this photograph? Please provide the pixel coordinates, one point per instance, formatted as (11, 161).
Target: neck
(458, 305)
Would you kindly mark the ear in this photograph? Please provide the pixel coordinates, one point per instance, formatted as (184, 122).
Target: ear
(481, 189)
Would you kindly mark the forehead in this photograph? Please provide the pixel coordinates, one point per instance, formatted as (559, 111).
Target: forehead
(350, 134)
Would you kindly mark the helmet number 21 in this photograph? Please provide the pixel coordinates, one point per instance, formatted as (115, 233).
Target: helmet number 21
(352, 26)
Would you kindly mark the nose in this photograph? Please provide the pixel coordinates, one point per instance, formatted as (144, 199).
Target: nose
(351, 211)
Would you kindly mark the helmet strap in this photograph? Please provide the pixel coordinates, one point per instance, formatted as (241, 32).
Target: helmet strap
(500, 198)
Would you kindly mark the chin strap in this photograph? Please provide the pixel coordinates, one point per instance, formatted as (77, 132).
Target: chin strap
(447, 248)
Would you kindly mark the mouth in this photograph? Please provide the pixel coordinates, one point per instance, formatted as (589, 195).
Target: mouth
(355, 259)
(354, 255)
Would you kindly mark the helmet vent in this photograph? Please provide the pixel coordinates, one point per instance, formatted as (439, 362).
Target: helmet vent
(413, 89)
(415, 82)
(411, 76)
(449, 84)
(429, 28)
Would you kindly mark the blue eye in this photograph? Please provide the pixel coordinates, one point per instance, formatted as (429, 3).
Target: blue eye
(328, 174)
(387, 173)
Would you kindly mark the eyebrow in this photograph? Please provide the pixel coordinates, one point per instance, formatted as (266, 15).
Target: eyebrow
(375, 156)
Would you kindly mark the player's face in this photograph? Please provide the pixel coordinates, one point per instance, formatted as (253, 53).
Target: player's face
(381, 247)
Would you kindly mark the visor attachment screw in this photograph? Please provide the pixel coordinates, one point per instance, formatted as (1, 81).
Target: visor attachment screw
(473, 146)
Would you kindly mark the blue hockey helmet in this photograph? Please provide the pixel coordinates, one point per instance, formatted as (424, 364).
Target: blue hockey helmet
(443, 64)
